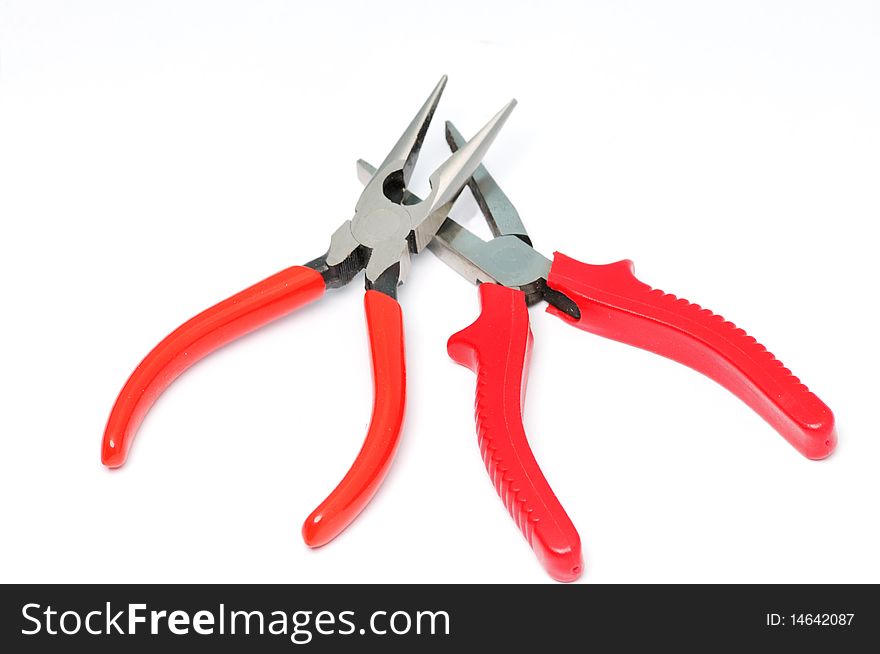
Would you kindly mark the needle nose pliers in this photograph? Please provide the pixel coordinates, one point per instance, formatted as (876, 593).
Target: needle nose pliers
(606, 300)
(379, 239)
(389, 225)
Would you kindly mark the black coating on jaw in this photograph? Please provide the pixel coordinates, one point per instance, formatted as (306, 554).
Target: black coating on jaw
(387, 282)
(344, 272)
(562, 302)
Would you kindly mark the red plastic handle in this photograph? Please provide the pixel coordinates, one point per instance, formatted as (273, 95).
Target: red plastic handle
(614, 304)
(354, 492)
(244, 312)
(497, 347)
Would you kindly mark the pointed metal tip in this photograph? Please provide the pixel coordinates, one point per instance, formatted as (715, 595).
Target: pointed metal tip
(480, 143)
(453, 136)
(497, 209)
(498, 120)
(405, 152)
(456, 140)
(438, 91)
(456, 170)
(451, 177)
(365, 172)
(506, 110)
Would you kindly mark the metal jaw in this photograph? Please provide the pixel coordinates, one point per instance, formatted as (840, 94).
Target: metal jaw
(505, 260)
(386, 228)
(509, 258)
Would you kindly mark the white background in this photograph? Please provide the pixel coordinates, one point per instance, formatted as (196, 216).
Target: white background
(157, 157)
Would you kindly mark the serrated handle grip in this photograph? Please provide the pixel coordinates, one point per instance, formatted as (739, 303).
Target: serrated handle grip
(497, 347)
(614, 304)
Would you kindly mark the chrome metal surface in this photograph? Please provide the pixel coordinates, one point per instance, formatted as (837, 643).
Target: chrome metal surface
(388, 230)
(502, 216)
(507, 260)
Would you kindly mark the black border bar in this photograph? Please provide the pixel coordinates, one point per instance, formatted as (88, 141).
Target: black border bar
(514, 617)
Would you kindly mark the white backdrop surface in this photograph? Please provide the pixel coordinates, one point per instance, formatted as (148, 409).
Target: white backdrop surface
(157, 157)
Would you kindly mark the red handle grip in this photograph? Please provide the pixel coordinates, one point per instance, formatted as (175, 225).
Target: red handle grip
(614, 304)
(348, 499)
(497, 347)
(244, 312)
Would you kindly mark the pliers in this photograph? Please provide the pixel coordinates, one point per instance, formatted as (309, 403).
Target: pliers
(607, 300)
(384, 232)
